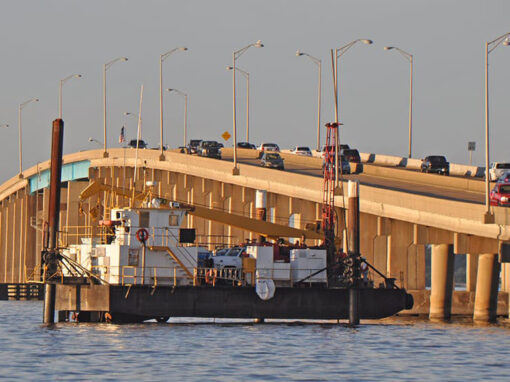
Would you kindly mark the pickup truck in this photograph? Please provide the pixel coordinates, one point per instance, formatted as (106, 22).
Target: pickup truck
(229, 258)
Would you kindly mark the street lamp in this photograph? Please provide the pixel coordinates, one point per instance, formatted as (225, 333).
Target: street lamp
(247, 76)
(62, 82)
(162, 57)
(185, 111)
(21, 107)
(338, 53)
(105, 68)
(319, 64)
(489, 47)
(235, 55)
(409, 57)
(96, 141)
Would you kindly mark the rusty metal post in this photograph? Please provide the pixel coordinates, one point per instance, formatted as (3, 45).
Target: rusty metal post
(353, 249)
(57, 138)
(50, 252)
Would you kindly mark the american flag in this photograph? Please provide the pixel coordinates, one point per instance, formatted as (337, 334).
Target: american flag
(121, 136)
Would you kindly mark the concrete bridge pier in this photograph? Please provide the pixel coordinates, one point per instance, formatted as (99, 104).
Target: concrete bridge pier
(487, 282)
(441, 281)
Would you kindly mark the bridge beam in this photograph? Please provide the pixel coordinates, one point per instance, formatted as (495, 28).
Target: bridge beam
(441, 281)
(486, 296)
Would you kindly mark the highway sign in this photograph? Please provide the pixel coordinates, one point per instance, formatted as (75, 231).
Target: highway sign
(225, 135)
(471, 146)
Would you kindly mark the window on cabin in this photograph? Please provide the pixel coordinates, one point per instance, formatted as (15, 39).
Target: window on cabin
(144, 219)
(173, 220)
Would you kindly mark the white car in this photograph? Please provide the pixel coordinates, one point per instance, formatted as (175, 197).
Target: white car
(269, 147)
(496, 169)
(302, 150)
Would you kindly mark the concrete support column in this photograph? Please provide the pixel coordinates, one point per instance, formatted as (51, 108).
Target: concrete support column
(471, 271)
(486, 296)
(441, 281)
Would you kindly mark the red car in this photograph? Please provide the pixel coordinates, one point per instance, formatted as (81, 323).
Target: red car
(500, 195)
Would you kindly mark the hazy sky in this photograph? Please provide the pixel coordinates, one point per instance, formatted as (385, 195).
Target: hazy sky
(45, 41)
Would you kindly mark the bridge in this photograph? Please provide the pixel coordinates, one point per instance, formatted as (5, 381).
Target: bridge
(401, 213)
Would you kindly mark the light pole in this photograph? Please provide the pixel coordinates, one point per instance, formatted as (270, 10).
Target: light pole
(409, 57)
(93, 140)
(489, 47)
(62, 82)
(20, 148)
(338, 53)
(185, 112)
(319, 64)
(246, 75)
(105, 68)
(235, 55)
(162, 58)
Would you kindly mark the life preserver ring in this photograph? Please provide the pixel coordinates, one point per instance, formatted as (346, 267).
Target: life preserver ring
(210, 276)
(142, 235)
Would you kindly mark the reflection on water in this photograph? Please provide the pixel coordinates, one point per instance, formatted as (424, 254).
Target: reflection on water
(223, 350)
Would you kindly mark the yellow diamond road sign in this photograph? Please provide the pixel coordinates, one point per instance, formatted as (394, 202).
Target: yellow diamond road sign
(225, 135)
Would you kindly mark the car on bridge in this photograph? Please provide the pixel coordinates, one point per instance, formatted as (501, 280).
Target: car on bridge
(209, 149)
(272, 160)
(141, 144)
(500, 195)
(435, 164)
(193, 144)
(496, 169)
(246, 145)
(351, 155)
(302, 150)
(346, 166)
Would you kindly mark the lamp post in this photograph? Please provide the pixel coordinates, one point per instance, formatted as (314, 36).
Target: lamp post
(105, 68)
(235, 55)
(489, 47)
(338, 53)
(62, 82)
(93, 140)
(162, 58)
(20, 148)
(185, 112)
(409, 57)
(319, 64)
(246, 75)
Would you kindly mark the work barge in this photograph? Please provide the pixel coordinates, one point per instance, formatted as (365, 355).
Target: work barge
(142, 265)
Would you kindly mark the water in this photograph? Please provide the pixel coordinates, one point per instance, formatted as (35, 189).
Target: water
(186, 350)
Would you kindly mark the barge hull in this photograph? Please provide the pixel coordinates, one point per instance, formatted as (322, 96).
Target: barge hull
(139, 303)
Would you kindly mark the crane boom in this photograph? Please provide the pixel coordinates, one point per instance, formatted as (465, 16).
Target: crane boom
(267, 229)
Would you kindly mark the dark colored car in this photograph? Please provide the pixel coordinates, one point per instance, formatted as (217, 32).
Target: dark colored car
(351, 155)
(346, 166)
(272, 160)
(209, 149)
(436, 164)
(500, 195)
(193, 144)
(246, 145)
(184, 150)
(141, 144)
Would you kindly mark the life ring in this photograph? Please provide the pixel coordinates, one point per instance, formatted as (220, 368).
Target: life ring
(142, 235)
(210, 276)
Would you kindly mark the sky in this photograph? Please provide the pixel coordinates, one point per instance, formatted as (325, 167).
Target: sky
(45, 41)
